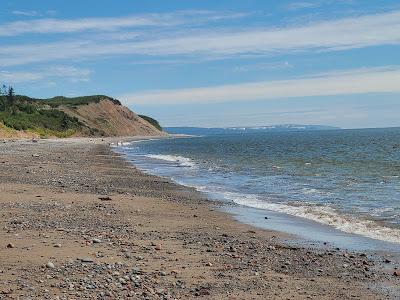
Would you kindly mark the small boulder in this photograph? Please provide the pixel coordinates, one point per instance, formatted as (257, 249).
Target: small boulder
(86, 260)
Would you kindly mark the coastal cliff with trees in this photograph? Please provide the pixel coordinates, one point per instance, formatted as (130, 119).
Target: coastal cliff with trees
(98, 115)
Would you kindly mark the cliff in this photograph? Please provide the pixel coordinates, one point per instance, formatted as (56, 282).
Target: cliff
(99, 115)
(111, 119)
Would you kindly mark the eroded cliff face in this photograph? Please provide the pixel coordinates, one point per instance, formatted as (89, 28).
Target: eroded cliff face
(111, 119)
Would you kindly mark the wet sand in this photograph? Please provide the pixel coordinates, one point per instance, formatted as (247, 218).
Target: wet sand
(78, 221)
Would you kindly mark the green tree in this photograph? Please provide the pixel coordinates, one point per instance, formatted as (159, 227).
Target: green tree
(10, 96)
(3, 90)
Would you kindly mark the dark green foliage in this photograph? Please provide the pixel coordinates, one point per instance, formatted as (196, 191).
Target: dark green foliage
(70, 102)
(65, 101)
(23, 113)
(152, 122)
(29, 117)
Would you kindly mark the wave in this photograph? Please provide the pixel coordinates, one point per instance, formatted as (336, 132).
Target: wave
(181, 160)
(322, 214)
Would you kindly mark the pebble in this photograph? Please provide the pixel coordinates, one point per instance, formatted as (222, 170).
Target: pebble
(57, 246)
(86, 260)
(96, 241)
(50, 265)
(158, 247)
(10, 245)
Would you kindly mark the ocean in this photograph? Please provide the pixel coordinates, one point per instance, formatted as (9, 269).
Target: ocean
(347, 180)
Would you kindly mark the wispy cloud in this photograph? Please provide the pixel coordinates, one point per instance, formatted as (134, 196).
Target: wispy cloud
(26, 13)
(263, 66)
(302, 5)
(47, 26)
(69, 73)
(299, 5)
(360, 81)
(348, 33)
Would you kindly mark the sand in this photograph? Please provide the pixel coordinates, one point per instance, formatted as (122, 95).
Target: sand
(79, 221)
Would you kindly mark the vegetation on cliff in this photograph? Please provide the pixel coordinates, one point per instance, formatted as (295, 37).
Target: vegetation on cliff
(152, 122)
(19, 113)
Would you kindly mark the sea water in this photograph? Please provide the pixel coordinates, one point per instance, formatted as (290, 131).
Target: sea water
(347, 180)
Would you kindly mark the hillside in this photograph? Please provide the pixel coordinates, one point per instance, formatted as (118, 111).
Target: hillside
(98, 115)
(110, 119)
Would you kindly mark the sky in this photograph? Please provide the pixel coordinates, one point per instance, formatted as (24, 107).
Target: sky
(212, 63)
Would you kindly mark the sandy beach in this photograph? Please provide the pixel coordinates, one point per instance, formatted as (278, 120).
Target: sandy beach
(78, 221)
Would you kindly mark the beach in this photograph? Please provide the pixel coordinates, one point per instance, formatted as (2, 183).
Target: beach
(80, 221)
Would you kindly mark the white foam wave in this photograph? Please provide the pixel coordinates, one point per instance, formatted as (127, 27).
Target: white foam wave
(322, 214)
(181, 160)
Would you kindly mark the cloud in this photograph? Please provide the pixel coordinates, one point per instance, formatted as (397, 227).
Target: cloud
(263, 66)
(299, 5)
(65, 72)
(26, 13)
(360, 81)
(48, 26)
(302, 5)
(348, 33)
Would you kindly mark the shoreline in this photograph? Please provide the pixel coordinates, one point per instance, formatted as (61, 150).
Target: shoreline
(183, 247)
(316, 231)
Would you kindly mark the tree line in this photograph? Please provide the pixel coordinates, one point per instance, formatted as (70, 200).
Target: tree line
(7, 97)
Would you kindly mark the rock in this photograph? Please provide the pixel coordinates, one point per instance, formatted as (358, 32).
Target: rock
(105, 198)
(209, 264)
(137, 271)
(86, 260)
(396, 273)
(203, 292)
(96, 241)
(10, 245)
(158, 247)
(57, 246)
(6, 291)
(50, 265)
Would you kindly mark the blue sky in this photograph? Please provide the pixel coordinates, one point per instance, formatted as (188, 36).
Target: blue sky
(212, 63)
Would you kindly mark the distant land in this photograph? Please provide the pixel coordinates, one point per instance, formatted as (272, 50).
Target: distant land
(230, 130)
